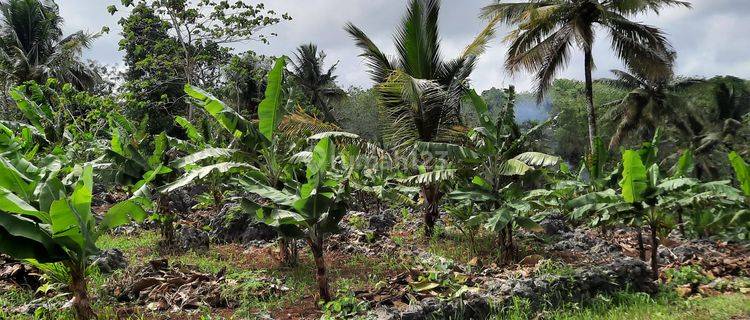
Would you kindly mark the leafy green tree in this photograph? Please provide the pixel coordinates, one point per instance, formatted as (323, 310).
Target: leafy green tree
(33, 47)
(198, 35)
(647, 197)
(358, 113)
(153, 79)
(419, 92)
(246, 81)
(569, 104)
(319, 86)
(547, 30)
(742, 174)
(51, 225)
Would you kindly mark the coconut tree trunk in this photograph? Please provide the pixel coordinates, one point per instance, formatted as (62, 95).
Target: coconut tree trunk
(641, 249)
(589, 65)
(78, 286)
(431, 194)
(654, 253)
(316, 246)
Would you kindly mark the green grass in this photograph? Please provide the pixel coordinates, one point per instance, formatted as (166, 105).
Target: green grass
(639, 306)
(136, 248)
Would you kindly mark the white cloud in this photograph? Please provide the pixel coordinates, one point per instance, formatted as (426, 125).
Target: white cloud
(711, 39)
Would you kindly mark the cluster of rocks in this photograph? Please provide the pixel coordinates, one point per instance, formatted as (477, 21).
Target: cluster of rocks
(538, 291)
(581, 241)
(369, 235)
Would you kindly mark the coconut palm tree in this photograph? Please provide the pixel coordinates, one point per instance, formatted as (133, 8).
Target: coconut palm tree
(652, 102)
(318, 86)
(419, 91)
(548, 30)
(32, 46)
(661, 102)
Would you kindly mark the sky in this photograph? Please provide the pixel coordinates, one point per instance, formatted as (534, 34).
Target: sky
(712, 38)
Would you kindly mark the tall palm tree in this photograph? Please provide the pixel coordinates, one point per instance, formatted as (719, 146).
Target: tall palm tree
(318, 86)
(32, 46)
(419, 92)
(547, 30)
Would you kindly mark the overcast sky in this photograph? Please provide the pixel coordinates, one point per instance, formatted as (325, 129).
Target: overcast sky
(711, 39)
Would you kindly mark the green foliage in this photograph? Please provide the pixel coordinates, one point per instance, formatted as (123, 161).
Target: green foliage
(344, 307)
(568, 102)
(689, 274)
(634, 181)
(317, 85)
(357, 113)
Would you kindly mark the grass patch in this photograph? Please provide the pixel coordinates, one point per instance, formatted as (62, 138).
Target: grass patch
(136, 247)
(640, 306)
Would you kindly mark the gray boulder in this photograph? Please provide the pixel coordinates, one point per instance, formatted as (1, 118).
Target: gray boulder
(110, 260)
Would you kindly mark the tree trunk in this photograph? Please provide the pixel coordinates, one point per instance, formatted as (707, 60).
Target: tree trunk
(589, 65)
(641, 249)
(78, 286)
(316, 246)
(680, 223)
(654, 253)
(431, 195)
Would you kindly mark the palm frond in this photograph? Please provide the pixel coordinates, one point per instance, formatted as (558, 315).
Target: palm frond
(299, 123)
(642, 47)
(632, 7)
(510, 13)
(379, 65)
(431, 177)
(417, 40)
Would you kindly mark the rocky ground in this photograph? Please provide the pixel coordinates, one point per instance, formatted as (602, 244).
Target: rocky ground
(382, 268)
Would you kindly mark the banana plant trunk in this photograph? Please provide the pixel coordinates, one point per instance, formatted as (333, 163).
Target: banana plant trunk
(507, 245)
(589, 65)
(78, 286)
(431, 194)
(316, 246)
(680, 222)
(167, 222)
(654, 253)
(288, 251)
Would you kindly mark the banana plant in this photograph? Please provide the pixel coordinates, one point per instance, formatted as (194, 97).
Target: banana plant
(647, 197)
(45, 117)
(371, 172)
(498, 159)
(260, 147)
(41, 220)
(309, 207)
(140, 162)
